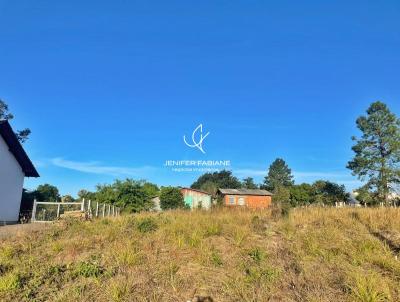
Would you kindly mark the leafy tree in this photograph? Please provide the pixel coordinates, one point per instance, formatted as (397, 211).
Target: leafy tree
(129, 194)
(87, 195)
(67, 198)
(171, 198)
(248, 183)
(326, 192)
(5, 114)
(106, 194)
(47, 193)
(209, 187)
(365, 196)
(377, 151)
(221, 179)
(282, 195)
(279, 174)
(301, 195)
(281, 201)
(151, 189)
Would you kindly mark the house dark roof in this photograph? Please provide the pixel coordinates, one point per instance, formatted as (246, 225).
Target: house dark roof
(245, 192)
(16, 149)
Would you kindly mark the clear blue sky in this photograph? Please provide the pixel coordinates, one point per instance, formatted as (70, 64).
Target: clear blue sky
(109, 88)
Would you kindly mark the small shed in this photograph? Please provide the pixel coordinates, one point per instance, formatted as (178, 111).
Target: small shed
(196, 198)
(15, 165)
(251, 198)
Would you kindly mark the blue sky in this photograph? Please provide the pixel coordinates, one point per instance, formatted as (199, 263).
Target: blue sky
(109, 88)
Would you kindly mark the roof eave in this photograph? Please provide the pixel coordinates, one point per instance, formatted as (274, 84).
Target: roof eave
(15, 147)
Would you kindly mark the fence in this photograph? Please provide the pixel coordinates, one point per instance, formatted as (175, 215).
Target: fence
(50, 211)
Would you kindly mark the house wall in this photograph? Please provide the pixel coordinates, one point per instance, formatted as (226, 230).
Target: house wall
(194, 198)
(11, 183)
(251, 201)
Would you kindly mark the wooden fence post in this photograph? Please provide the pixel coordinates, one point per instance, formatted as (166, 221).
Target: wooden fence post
(104, 209)
(34, 211)
(83, 205)
(97, 209)
(58, 210)
(90, 208)
(109, 210)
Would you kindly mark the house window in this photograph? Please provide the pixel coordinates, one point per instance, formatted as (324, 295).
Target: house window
(241, 201)
(231, 199)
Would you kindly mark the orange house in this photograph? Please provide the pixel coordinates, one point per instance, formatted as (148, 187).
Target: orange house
(255, 199)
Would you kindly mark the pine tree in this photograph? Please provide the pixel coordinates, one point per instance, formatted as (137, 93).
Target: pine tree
(377, 151)
(279, 175)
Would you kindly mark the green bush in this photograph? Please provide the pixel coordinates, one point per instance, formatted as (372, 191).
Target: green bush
(10, 281)
(88, 269)
(147, 225)
(171, 198)
(256, 254)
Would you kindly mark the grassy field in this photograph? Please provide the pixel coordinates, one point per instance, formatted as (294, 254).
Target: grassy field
(317, 254)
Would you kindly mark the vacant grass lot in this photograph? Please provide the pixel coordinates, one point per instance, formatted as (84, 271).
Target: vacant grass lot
(317, 254)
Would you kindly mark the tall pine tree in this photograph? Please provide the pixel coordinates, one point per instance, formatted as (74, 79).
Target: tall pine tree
(279, 175)
(377, 151)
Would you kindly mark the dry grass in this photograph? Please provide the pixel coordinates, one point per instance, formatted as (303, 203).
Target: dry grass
(316, 254)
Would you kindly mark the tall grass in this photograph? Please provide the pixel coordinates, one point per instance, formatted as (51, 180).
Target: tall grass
(316, 254)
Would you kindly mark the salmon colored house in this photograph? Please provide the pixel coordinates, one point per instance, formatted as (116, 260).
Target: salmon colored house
(255, 199)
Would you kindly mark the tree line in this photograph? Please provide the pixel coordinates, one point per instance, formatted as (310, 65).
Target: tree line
(376, 162)
(278, 181)
(129, 194)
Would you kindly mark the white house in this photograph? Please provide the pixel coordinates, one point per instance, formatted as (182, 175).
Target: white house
(14, 166)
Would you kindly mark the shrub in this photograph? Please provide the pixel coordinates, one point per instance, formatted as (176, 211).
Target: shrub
(258, 224)
(147, 225)
(88, 269)
(171, 198)
(10, 281)
(367, 289)
(280, 202)
(256, 254)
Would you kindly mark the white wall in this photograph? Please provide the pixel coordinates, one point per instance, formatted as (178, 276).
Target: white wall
(11, 184)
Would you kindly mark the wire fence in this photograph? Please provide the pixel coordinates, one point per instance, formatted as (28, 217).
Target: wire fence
(50, 211)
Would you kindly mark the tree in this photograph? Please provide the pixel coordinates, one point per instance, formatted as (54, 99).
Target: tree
(279, 174)
(377, 151)
(209, 187)
(67, 198)
(47, 193)
(281, 201)
(151, 189)
(84, 194)
(221, 179)
(326, 192)
(248, 183)
(171, 198)
(5, 114)
(365, 196)
(129, 194)
(301, 195)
